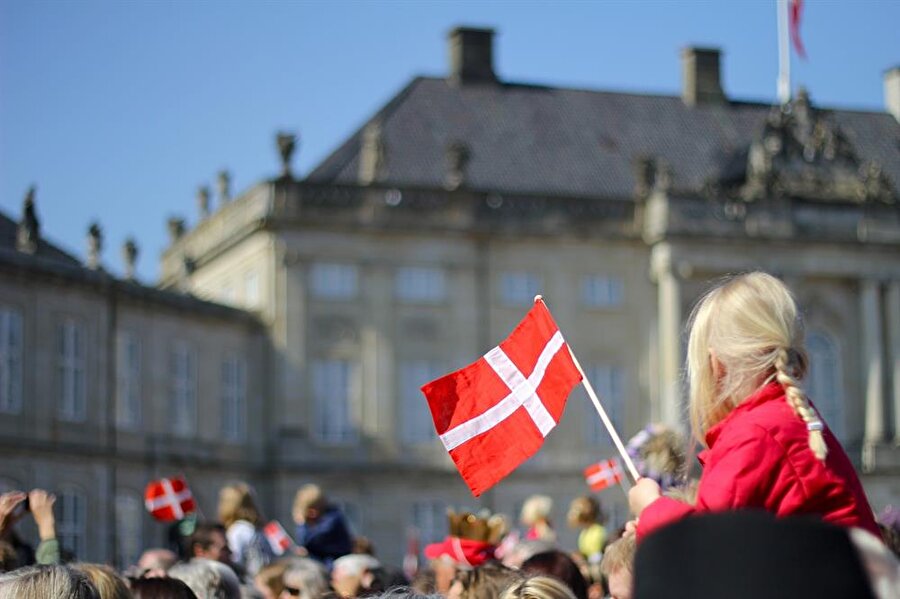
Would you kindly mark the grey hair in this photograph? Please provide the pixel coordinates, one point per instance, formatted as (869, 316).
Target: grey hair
(208, 579)
(309, 576)
(355, 564)
(403, 593)
(39, 582)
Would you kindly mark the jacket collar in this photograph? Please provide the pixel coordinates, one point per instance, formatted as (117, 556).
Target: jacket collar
(768, 392)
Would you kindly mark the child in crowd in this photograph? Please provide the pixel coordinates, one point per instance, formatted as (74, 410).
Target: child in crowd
(585, 514)
(536, 516)
(618, 567)
(767, 447)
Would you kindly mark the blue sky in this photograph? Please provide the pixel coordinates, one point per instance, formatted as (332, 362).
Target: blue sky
(118, 111)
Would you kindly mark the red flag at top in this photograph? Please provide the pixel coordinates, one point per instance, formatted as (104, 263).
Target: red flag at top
(795, 10)
(603, 474)
(169, 499)
(278, 539)
(495, 413)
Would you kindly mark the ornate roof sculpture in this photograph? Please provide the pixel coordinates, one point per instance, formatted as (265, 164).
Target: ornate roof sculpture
(802, 153)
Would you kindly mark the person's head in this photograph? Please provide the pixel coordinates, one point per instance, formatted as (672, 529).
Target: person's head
(108, 583)
(744, 333)
(524, 550)
(349, 573)
(558, 565)
(538, 587)
(156, 560)
(9, 558)
(236, 502)
(161, 587)
(208, 579)
(484, 582)
(583, 512)
(618, 567)
(304, 579)
(208, 541)
(309, 503)
(536, 509)
(40, 582)
(269, 581)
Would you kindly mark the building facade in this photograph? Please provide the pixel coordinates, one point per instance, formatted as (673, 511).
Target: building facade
(421, 241)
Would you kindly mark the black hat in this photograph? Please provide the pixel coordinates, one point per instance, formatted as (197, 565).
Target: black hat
(749, 554)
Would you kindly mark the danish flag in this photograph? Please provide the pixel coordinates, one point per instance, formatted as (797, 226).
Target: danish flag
(169, 499)
(278, 539)
(603, 474)
(495, 413)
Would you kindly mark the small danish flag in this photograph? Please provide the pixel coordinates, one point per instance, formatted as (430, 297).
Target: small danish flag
(169, 499)
(495, 413)
(603, 474)
(278, 539)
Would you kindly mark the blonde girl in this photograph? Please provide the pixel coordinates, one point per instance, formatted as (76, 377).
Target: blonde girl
(766, 446)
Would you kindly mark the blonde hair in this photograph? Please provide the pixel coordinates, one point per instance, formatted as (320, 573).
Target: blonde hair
(749, 325)
(538, 587)
(308, 496)
(109, 584)
(535, 509)
(619, 554)
(236, 503)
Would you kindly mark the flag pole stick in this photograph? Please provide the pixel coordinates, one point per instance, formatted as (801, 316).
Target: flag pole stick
(784, 53)
(626, 459)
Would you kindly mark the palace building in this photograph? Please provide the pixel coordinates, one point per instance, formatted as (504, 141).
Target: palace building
(294, 323)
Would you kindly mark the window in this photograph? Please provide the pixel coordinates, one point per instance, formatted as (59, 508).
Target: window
(823, 383)
(429, 519)
(10, 361)
(601, 291)
(417, 424)
(333, 281)
(251, 289)
(70, 527)
(71, 367)
(129, 529)
(234, 398)
(183, 412)
(128, 380)
(334, 388)
(420, 285)
(519, 288)
(609, 384)
(228, 294)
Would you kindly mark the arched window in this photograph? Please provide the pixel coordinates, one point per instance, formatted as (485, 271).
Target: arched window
(71, 525)
(129, 527)
(824, 384)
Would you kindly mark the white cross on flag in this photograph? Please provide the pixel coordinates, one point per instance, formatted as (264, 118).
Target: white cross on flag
(495, 413)
(169, 499)
(603, 474)
(278, 539)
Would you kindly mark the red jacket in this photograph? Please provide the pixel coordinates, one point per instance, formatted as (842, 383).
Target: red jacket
(759, 458)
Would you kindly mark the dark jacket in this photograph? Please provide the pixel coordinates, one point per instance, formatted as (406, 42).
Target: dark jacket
(326, 539)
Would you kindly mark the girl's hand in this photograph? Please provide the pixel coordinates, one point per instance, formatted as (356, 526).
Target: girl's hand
(644, 492)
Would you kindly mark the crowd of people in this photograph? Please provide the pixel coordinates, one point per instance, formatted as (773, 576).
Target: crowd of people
(777, 511)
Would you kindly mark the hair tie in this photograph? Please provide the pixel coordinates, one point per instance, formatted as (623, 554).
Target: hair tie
(815, 425)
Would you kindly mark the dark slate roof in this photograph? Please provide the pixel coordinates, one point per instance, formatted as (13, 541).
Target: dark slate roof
(45, 249)
(570, 142)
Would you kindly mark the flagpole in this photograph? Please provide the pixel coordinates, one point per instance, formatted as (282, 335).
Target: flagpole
(784, 53)
(626, 459)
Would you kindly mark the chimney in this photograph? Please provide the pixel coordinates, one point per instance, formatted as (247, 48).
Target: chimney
(701, 76)
(457, 156)
(892, 91)
(471, 55)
